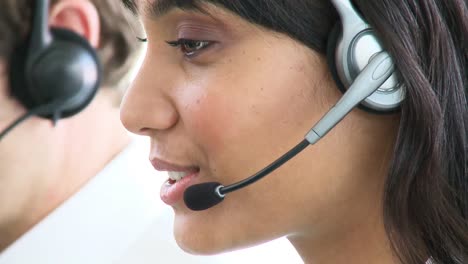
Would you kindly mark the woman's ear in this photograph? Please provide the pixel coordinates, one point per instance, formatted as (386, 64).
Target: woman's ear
(79, 16)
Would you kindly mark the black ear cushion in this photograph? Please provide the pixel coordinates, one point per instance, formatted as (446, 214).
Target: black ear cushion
(68, 35)
(332, 45)
(18, 75)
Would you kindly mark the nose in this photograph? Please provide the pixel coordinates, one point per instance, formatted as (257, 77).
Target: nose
(146, 107)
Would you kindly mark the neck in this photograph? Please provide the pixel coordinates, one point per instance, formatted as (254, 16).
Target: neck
(94, 138)
(364, 241)
(84, 145)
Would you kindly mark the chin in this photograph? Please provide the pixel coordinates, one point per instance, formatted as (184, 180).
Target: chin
(197, 243)
(196, 236)
(198, 247)
(218, 231)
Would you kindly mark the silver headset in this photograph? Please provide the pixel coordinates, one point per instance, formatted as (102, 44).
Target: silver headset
(353, 48)
(364, 69)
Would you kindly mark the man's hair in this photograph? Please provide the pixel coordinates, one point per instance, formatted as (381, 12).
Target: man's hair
(117, 44)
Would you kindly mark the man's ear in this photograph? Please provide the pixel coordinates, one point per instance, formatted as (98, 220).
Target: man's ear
(79, 16)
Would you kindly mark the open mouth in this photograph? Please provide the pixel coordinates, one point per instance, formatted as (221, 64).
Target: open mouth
(176, 176)
(173, 190)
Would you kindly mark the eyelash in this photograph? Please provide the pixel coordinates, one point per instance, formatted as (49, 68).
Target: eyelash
(184, 46)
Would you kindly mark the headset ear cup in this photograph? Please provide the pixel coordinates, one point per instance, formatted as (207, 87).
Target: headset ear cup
(17, 76)
(85, 94)
(74, 92)
(332, 46)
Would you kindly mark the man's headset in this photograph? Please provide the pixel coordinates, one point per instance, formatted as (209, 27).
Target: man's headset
(54, 73)
(361, 68)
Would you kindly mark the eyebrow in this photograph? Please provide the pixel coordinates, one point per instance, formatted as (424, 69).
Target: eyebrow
(161, 7)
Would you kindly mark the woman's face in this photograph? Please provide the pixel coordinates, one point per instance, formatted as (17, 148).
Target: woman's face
(230, 101)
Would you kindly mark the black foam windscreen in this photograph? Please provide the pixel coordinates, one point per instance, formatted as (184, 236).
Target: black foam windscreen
(202, 196)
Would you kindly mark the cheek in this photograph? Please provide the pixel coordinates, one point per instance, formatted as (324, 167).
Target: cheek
(210, 119)
(249, 112)
(251, 108)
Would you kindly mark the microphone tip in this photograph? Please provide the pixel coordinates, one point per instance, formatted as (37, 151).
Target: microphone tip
(202, 196)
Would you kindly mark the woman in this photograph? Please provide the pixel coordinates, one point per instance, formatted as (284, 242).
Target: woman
(229, 86)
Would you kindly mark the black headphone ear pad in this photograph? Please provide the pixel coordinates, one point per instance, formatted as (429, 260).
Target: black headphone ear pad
(90, 92)
(62, 34)
(80, 95)
(17, 76)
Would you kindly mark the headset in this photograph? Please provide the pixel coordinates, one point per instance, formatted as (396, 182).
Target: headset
(54, 73)
(362, 70)
(352, 44)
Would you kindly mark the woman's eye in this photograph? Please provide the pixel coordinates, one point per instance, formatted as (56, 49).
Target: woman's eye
(190, 47)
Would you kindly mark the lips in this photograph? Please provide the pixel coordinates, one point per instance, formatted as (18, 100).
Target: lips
(173, 191)
(161, 165)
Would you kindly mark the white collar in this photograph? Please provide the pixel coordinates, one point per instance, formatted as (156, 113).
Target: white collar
(99, 222)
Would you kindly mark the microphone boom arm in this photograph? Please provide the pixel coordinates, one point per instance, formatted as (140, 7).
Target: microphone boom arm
(259, 175)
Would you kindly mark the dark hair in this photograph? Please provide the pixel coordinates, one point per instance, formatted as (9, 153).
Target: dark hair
(426, 192)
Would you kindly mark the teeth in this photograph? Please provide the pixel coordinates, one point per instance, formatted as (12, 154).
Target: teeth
(177, 176)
